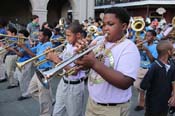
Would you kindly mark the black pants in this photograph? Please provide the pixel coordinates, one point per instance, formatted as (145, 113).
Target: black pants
(156, 114)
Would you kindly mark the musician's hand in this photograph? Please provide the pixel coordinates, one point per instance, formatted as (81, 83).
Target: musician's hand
(52, 56)
(81, 44)
(87, 61)
(76, 69)
(21, 45)
(1, 44)
(10, 49)
(171, 101)
(144, 48)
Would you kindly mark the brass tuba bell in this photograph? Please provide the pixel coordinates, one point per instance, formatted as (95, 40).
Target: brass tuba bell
(138, 25)
(92, 29)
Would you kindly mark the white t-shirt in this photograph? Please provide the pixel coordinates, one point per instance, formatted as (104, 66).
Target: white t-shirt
(126, 60)
(68, 52)
(167, 66)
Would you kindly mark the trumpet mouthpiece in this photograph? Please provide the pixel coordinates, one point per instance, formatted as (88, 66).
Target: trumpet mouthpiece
(106, 34)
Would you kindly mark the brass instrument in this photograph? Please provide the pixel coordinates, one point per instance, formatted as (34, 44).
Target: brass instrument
(43, 76)
(1, 40)
(20, 65)
(91, 30)
(60, 39)
(141, 43)
(42, 61)
(171, 34)
(20, 39)
(3, 50)
(61, 24)
(138, 25)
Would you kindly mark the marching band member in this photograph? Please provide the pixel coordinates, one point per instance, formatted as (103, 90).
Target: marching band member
(45, 25)
(150, 46)
(3, 25)
(36, 89)
(111, 78)
(71, 89)
(33, 28)
(10, 59)
(152, 26)
(2, 68)
(148, 54)
(159, 34)
(56, 36)
(24, 76)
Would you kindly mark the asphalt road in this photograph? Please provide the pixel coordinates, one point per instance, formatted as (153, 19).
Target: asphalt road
(9, 106)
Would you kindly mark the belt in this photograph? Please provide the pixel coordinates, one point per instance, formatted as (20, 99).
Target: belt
(11, 54)
(110, 104)
(145, 67)
(74, 82)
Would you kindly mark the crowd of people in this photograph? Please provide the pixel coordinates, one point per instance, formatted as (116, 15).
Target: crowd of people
(121, 58)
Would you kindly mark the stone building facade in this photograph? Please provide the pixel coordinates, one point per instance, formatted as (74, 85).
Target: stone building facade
(144, 8)
(20, 11)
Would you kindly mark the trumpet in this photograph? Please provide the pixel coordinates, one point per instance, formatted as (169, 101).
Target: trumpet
(20, 65)
(43, 76)
(60, 39)
(19, 37)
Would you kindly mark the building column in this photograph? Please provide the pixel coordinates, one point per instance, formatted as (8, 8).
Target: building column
(42, 13)
(39, 7)
(90, 8)
(82, 9)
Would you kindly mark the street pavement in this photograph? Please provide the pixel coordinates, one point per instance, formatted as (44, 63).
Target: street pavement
(9, 106)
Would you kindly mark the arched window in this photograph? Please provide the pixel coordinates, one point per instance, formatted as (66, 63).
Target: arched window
(16, 11)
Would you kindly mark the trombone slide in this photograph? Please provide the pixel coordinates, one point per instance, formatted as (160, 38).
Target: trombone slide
(61, 65)
(45, 75)
(20, 37)
(140, 43)
(21, 64)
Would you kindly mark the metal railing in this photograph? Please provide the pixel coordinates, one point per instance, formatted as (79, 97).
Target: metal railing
(110, 2)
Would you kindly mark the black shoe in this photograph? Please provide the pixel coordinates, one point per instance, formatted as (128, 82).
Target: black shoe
(10, 87)
(22, 98)
(3, 80)
(53, 103)
(139, 108)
